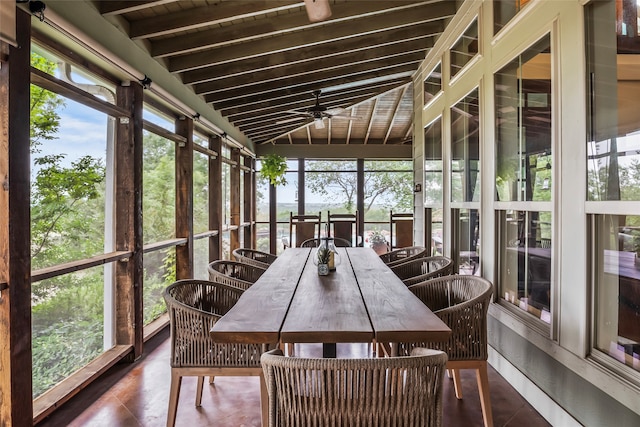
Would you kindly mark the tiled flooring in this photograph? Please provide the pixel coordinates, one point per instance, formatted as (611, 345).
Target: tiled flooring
(137, 395)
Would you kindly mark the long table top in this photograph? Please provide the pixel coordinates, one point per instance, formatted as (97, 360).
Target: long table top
(361, 301)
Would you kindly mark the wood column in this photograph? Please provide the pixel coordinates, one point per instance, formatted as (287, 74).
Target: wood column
(360, 200)
(249, 203)
(16, 404)
(215, 198)
(184, 198)
(234, 200)
(273, 219)
(301, 187)
(128, 201)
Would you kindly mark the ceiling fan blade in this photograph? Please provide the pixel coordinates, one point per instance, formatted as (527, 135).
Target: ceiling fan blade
(302, 113)
(346, 117)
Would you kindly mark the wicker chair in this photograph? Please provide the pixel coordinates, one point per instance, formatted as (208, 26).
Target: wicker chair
(314, 243)
(194, 306)
(393, 391)
(234, 273)
(421, 269)
(254, 257)
(401, 255)
(462, 303)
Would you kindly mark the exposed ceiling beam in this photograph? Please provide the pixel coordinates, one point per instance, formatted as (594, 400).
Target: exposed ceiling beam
(121, 7)
(395, 113)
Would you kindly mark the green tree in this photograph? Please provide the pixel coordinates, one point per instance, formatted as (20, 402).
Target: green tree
(389, 181)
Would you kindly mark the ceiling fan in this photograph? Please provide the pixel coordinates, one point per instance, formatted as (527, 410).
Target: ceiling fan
(318, 113)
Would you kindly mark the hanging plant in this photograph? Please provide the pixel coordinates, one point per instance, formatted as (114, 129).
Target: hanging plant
(273, 168)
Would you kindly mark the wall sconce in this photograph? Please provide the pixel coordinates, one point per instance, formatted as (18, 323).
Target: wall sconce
(417, 188)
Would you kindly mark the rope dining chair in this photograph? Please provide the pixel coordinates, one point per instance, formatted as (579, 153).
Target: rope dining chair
(234, 273)
(337, 241)
(421, 269)
(254, 257)
(398, 256)
(391, 391)
(461, 302)
(194, 306)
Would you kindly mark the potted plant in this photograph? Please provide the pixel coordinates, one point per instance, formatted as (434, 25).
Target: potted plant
(273, 168)
(323, 255)
(378, 242)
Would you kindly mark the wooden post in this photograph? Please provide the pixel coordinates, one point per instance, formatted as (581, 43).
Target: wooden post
(16, 404)
(249, 203)
(234, 199)
(360, 201)
(184, 198)
(301, 188)
(215, 198)
(273, 219)
(128, 201)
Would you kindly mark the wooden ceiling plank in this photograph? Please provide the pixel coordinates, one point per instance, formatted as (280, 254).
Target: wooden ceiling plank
(395, 113)
(291, 57)
(206, 16)
(312, 37)
(302, 69)
(110, 8)
(380, 76)
(253, 30)
(316, 80)
(371, 120)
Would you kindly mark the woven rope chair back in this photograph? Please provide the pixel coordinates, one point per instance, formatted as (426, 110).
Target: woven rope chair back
(393, 391)
(254, 257)
(314, 243)
(194, 306)
(401, 255)
(421, 269)
(462, 303)
(234, 273)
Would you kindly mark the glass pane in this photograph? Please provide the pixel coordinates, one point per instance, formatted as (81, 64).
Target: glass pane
(226, 245)
(433, 83)
(67, 313)
(158, 188)
(388, 185)
(468, 245)
(504, 10)
(617, 240)
(226, 194)
(523, 126)
(433, 163)
(465, 48)
(436, 232)
(330, 185)
(525, 261)
(465, 162)
(613, 147)
(200, 192)
(159, 272)
(201, 258)
(68, 180)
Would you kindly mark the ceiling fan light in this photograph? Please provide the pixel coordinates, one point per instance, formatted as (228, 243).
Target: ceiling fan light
(319, 123)
(317, 10)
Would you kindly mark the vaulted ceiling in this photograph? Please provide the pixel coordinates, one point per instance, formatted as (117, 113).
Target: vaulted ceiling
(258, 63)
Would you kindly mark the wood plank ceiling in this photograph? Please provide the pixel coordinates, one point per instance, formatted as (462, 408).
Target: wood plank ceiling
(259, 62)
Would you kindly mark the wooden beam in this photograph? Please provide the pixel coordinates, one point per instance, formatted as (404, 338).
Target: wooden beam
(395, 112)
(319, 52)
(338, 151)
(184, 198)
(207, 16)
(128, 200)
(16, 405)
(125, 6)
(312, 38)
(276, 24)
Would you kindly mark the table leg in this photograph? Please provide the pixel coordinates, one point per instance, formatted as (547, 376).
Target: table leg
(329, 350)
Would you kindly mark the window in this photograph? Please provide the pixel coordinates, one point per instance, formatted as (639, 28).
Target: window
(504, 10)
(433, 83)
(464, 49)
(330, 185)
(523, 126)
(613, 180)
(465, 150)
(432, 190)
(525, 261)
(70, 222)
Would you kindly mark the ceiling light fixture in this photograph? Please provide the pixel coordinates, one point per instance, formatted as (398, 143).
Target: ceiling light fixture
(317, 10)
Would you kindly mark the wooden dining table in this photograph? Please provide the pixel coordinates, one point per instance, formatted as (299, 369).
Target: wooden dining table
(363, 301)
